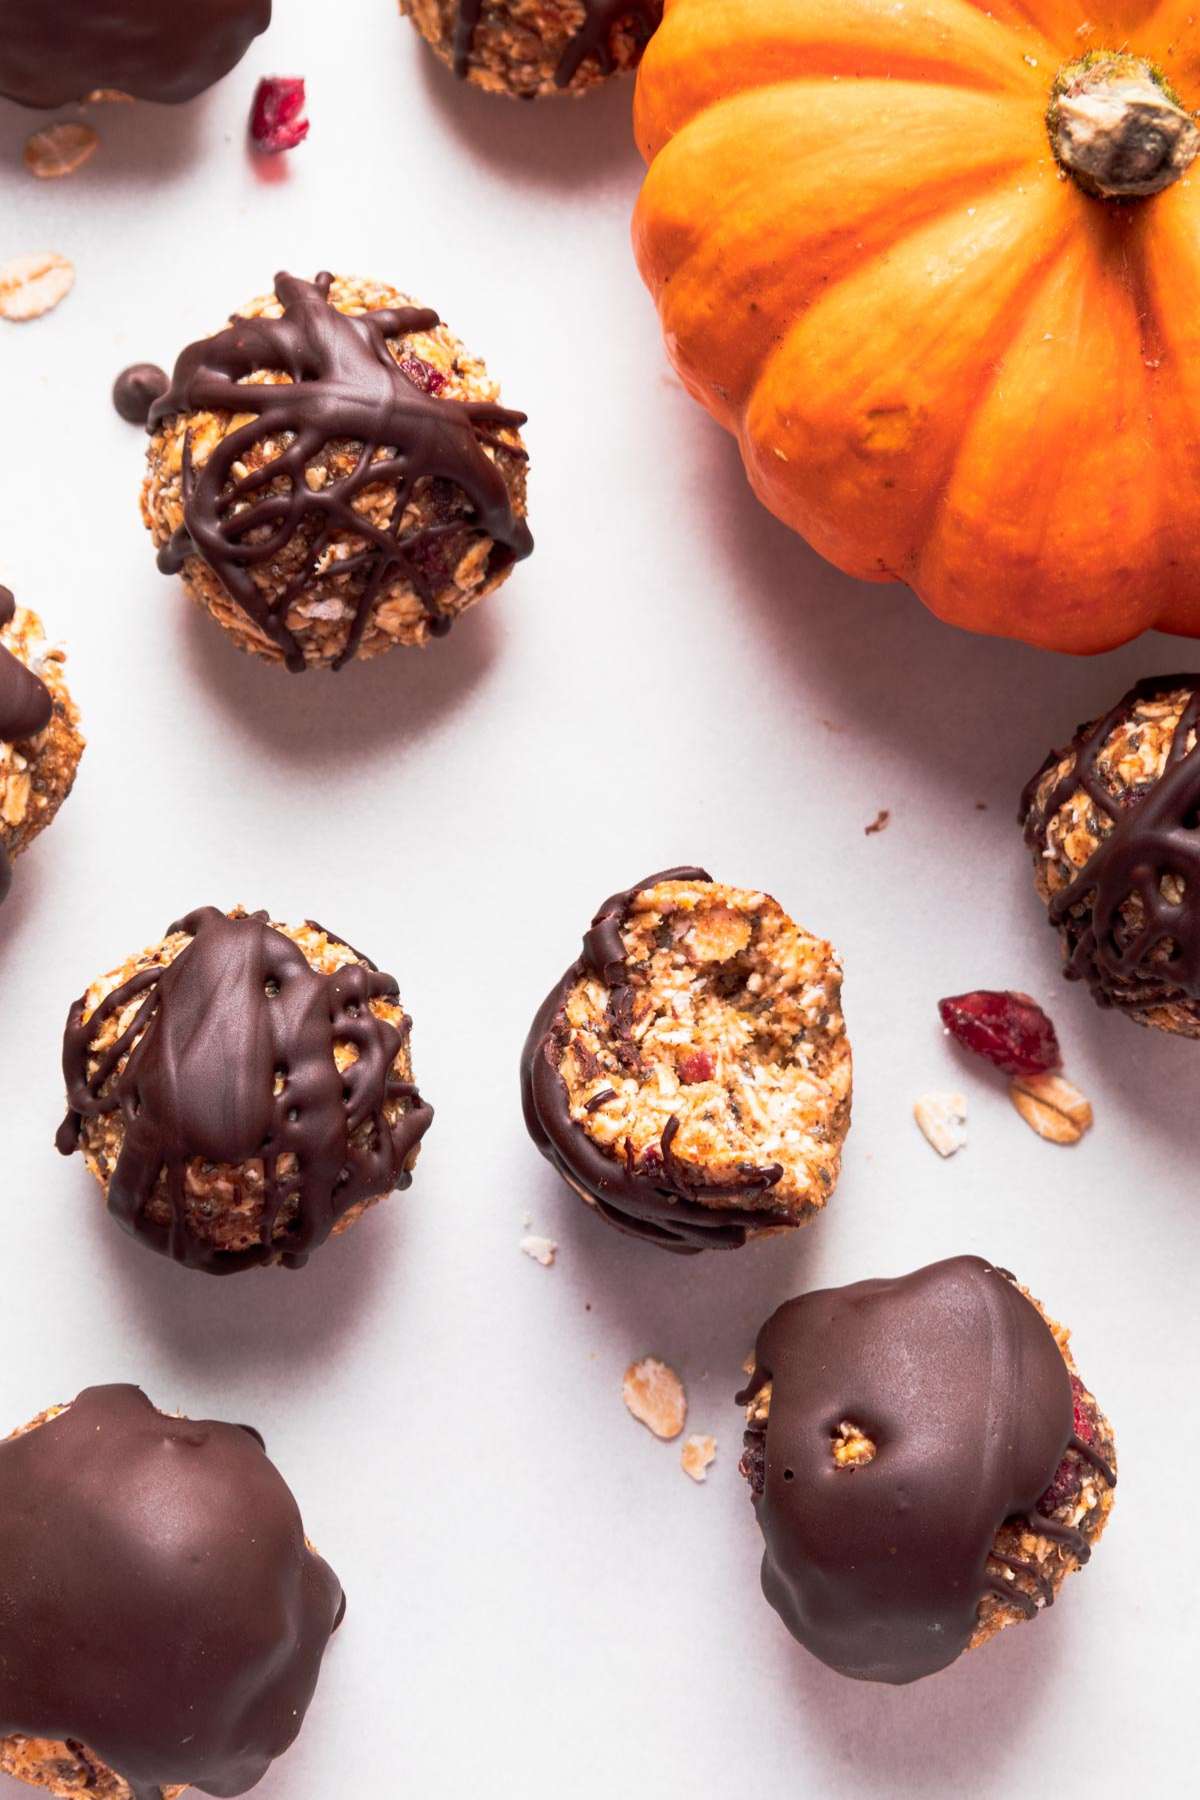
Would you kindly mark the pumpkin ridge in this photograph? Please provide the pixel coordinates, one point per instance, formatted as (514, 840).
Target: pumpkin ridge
(687, 274)
(1001, 329)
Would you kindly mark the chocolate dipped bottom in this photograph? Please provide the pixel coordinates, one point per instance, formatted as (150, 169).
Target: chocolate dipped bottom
(243, 1090)
(926, 1466)
(689, 1076)
(1113, 824)
(55, 51)
(163, 1618)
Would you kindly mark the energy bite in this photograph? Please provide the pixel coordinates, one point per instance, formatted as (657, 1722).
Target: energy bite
(528, 48)
(926, 1465)
(55, 51)
(242, 1091)
(333, 474)
(1111, 822)
(164, 1616)
(689, 1076)
(40, 743)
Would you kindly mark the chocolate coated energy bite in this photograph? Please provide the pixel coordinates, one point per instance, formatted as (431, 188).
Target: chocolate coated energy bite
(164, 1617)
(1112, 825)
(40, 744)
(527, 48)
(689, 1076)
(56, 51)
(926, 1464)
(242, 1090)
(333, 474)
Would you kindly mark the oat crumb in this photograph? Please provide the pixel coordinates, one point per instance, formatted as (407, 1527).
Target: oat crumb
(59, 150)
(942, 1119)
(542, 1249)
(654, 1395)
(696, 1455)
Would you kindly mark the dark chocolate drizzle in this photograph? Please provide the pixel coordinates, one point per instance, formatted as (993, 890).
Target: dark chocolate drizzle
(160, 1605)
(1155, 833)
(55, 51)
(26, 707)
(136, 389)
(879, 1570)
(236, 1014)
(593, 38)
(344, 384)
(658, 1203)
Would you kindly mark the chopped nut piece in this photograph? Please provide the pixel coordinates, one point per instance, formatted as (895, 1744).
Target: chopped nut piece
(942, 1119)
(59, 150)
(852, 1447)
(654, 1395)
(32, 285)
(696, 1455)
(1052, 1107)
(542, 1249)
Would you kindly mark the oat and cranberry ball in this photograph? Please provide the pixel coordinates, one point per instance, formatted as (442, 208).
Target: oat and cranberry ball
(40, 743)
(242, 1091)
(164, 1616)
(53, 52)
(689, 1076)
(926, 1465)
(528, 48)
(1113, 823)
(332, 474)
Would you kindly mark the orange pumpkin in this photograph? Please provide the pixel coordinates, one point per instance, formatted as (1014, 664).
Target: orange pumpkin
(874, 233)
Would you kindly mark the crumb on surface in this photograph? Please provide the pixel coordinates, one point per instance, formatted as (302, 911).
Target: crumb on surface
(697, 1456)
(655, 1396)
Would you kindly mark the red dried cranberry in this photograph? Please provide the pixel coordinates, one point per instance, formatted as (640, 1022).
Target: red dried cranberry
(421, 374)
(697, 1065)
(277, 119)
(1083, 1427)
(1010, 1030)
(1068, 1479)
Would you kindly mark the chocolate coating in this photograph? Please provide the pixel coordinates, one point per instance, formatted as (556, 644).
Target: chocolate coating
(26, 707)
(593, 38)
(136, 389)
(879, 1570)
(1154, 836)
(160, 1604)
(344, 383)
(56, 51)
(238, 1014)
(662, 1207)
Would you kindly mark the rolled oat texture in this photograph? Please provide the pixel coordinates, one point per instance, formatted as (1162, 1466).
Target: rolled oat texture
(689, 1076)
(528, 49)
(40, 742)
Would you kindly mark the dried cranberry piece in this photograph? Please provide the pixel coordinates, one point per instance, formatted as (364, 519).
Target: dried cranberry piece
(1010, 1030)
(277, 119)
(421, 373)
(1082, 1426)
(696, 1065)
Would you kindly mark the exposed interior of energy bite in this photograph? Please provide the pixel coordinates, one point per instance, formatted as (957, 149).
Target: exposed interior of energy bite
(722, 1064)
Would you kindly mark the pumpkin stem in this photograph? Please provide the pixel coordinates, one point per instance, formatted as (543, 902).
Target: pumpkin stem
(1118, 129)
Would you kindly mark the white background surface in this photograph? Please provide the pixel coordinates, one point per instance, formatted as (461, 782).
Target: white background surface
(540, 1602)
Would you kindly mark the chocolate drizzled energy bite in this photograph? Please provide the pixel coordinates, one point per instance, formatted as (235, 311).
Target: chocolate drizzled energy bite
(56, 51)
(529, 48)
(333, 474)
(40, 744)
(242, 1090)
(164, 1618)
(926, 1465)
(1113, 823)
(689, 1076)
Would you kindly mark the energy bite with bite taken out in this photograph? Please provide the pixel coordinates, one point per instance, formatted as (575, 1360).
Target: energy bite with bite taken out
(40, 743)
(53, 52)
(689, 1076)
(529, 48)
(927, 1466)
(333, 475)
(164, 1616)
(1112, 823)
(242, 1091)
